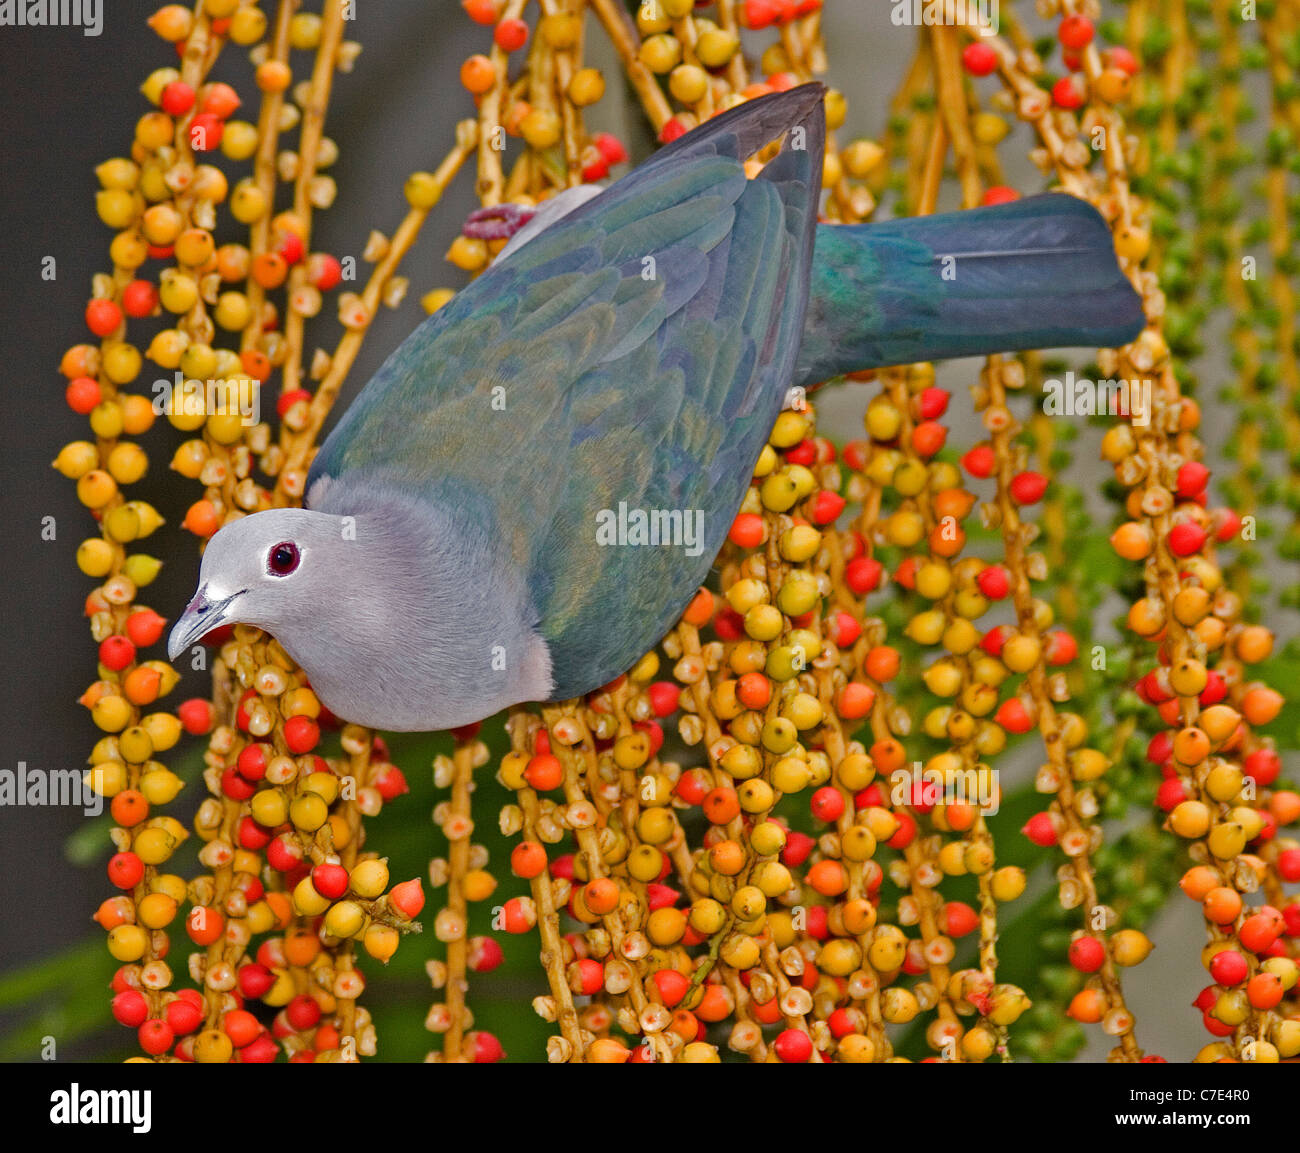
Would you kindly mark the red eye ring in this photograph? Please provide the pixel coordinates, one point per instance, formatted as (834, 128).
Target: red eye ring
(283, 558)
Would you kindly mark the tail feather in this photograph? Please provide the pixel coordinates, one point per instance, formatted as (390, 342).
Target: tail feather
(1037, 273)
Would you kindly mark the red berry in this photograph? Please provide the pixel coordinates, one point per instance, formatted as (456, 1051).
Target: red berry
(511, 35)
(1192, 479)
(205, 132)
(827, 803)
(611, 148)
(155, 1036)
(139, 298)
(747, 530)
(980, 461)
(390, 781)
(863, 574)
(1229, 967)
(83, 394)
(1028, 487)
(843, 629)
(671, 131)
(289, 245)
(1171, 794)
(301, 734)
(220, 100)
(1075, 32)
(826, 507)
(284, 853)
(330, 881)
(587, 977)
(103, 317)
(928, 437)
(999, 194)
(485, 954)
(1262, 766)
(125, 870)
(177, 98)
(324, 271)
(1062, 648)
(252, 836)
(958, 918)
(183, 1016)
(1121, 58)
(235, 786)
(1087, 954)
(485, 1047)
(979, 59)
(672, 986)
(1186, 538)
(1013, 716)
(994, 582)
(130, 1008)
(797, 848)
(251, 762)
(196, 716)
(793, 1046)
(116, 653)
(1040, 829)
(1288, 864)
(664, 697)
(1068, 92)
(302, 1012)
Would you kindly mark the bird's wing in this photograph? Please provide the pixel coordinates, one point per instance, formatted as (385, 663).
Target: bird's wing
(636, 352)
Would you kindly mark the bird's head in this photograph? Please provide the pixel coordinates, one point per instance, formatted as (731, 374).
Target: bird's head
(403, 616)
(273, 569)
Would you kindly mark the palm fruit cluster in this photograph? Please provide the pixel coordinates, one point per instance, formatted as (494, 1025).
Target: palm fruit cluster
(772, 839)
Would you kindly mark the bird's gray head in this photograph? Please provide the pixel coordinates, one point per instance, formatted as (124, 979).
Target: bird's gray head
(275, 570)
(401, 618)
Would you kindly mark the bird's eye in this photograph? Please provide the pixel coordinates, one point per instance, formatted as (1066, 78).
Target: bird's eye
(282, 559)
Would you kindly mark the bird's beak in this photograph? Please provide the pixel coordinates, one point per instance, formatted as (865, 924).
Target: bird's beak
(203, 614)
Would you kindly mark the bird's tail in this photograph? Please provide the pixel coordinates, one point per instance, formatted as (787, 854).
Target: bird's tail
(1036, 273)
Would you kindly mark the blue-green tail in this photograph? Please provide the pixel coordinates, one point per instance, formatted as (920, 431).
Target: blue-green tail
(1036, 273)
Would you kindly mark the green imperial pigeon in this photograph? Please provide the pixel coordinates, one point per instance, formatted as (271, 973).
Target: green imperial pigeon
(474, 533)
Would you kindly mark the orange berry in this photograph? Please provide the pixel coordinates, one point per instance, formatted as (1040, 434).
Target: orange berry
(1261, 705)
(301, 947)
(477, 74)
(882, 664)
(754, 690)
(129, 808)
(528, 859)
(1254, 643)
(1087, 1006)
(700, 611)
(721, 805)
(727, 858)
(201, 519)
(1264, 990)
(1132, 541)
(601, 896)
(1191, 746)
(829, 878)
(273, 76)
(1222, 905)
(1198, 881)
